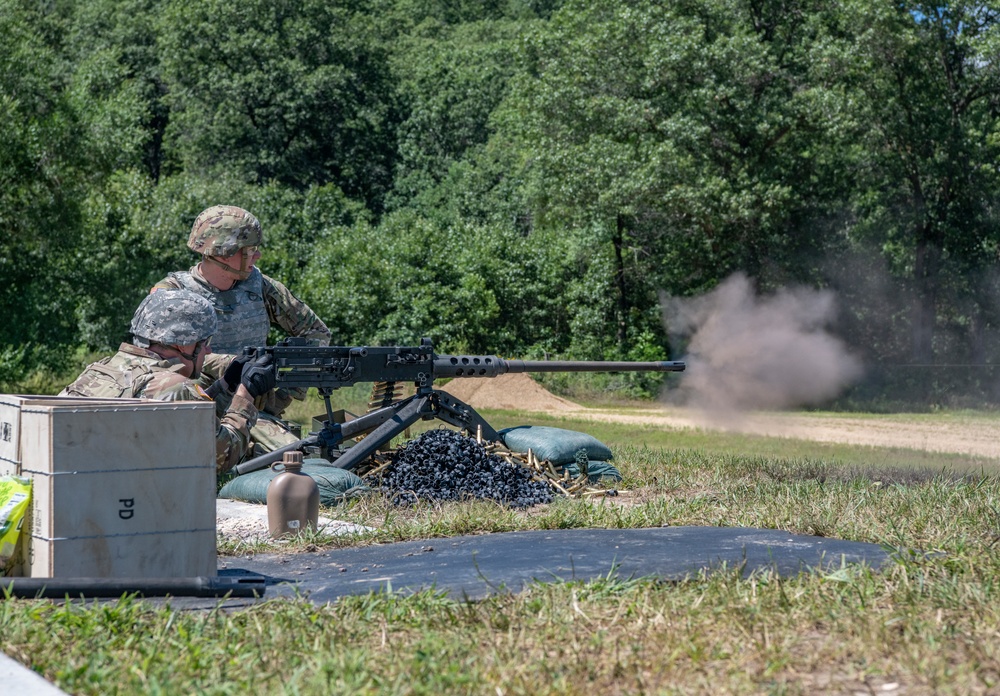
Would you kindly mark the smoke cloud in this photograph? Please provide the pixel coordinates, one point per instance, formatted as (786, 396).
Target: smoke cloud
(747, 352)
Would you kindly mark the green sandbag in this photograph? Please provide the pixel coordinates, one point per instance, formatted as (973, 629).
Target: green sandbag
(555, 444)
(598, 471)
(333, 483)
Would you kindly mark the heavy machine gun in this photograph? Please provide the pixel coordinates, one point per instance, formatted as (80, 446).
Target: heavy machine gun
(331, 367)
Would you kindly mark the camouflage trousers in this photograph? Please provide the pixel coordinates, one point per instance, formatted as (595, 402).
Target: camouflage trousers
(270, 433)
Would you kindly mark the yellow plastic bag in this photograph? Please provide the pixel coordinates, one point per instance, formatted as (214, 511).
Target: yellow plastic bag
(15, 497)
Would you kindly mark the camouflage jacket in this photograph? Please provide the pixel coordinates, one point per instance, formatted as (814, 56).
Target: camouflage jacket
(135, 372)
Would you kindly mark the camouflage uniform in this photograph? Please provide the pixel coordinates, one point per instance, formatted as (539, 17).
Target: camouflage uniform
(135, 372)
(174, 318)
(247, 310)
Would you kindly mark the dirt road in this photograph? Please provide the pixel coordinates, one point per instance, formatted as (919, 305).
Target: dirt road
(974, 435)
(977, 435)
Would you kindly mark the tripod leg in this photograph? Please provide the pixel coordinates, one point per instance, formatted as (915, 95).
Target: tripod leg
(456, 412)
(403, 419)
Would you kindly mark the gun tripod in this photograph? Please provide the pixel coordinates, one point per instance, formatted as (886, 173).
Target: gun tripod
(379, 428)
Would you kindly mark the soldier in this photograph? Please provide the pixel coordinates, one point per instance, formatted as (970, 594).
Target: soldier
(171, 334)
(247, 303)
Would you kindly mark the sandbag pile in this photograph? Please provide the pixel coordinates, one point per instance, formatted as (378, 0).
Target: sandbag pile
(567, 450)
(335, 485)
(445, 465)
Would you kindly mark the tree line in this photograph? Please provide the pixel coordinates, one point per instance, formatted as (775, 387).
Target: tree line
(522, 177)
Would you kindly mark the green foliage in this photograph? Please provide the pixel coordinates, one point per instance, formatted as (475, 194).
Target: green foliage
(471, 288)
(690, 120)
(411, 13)
(64, 128)
(513, 176)
(126, 31)
(297, 92)
(922, 81)
(33, 369)
(669, 139)
(450, 79)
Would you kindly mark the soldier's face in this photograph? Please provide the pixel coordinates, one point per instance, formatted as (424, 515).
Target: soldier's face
(245, 259)
(199, 351)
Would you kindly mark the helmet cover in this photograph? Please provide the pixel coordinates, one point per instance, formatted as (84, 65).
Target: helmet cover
(173, 318)
(222, 230)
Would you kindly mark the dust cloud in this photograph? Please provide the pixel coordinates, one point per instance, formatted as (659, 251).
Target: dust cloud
(746, 351)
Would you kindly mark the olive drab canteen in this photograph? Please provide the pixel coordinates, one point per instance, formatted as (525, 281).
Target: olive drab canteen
(173, 318)
(222, 230)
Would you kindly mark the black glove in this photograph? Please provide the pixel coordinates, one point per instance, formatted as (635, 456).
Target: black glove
(217, 387)
(259, 377)
(234, 372)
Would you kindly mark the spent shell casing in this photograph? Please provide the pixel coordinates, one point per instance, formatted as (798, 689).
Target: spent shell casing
(559, 488)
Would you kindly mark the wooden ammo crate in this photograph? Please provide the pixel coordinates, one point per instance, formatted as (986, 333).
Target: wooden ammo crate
(120, 488)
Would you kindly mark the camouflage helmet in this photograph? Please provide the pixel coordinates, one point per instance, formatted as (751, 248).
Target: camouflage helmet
(222, 230)
(173, 318)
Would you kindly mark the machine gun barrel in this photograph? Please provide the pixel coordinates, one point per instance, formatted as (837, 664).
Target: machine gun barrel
(333, 367)
(327, 368)
(492, 366)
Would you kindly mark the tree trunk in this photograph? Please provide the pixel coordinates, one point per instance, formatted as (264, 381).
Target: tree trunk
(622, 300)
(926, 271)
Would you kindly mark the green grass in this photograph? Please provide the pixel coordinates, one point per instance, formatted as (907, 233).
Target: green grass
(928, 623)
(750, 445)
(354, 400)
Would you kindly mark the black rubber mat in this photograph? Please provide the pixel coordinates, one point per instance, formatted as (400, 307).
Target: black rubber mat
(477, 566)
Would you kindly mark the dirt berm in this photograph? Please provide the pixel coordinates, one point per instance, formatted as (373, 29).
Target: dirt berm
(516, 392)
